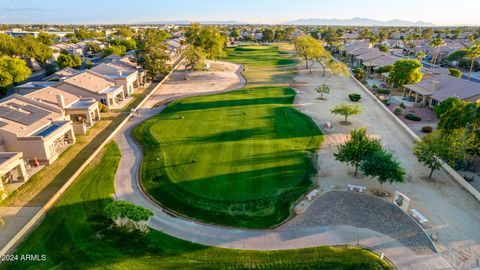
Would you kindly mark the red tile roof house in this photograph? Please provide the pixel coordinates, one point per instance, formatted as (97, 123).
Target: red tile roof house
(91, 84)
(434, 89)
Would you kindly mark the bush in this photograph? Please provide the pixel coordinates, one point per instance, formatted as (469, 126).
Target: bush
(427, 129)
(383, 91)
(387, 102)
(398, 111)
(359, 73)
(413, 117)
(384, 69)
(402, 105)
(355, 97)
(102, 107)
(455, 72)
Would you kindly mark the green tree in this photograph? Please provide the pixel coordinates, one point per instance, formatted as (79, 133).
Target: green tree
(405, 71)
(235, 33)
(12, 71)
(420, 56)
(129, 44)
(47, 39)
(123, 213)
(337, 69)
(357, 148)
(152, 52)
(67, 60)
(306, 47)
(125, 32)
(321, 56)
(268, 35)
(346, 110)
(116, 50)
(208, 38)
(434, 149)
(427, 33)
(455, 72)
(384, 48)
(17, 68)
(382, 165)
(194, 58)
(455, 113)
(323, 89)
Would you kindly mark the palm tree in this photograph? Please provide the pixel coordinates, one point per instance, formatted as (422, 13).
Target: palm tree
(472, 54)
(436, 44)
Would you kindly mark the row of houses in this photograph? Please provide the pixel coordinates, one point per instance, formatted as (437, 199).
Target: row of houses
(42, 118)
(362, 53)
(436, 86)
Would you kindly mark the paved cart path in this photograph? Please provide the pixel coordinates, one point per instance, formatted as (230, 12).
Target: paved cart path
(285, 237)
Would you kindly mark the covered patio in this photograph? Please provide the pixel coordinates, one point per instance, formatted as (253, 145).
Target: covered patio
(420, 96)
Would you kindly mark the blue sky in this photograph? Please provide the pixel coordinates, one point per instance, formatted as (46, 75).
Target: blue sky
(440, 12)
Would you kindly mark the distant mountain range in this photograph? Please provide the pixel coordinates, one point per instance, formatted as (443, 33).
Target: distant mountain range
(231, 22)
(357, 22)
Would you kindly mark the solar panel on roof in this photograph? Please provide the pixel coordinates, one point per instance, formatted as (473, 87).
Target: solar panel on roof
(28, 116)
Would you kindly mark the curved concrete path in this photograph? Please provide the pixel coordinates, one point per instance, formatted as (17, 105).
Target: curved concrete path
(127, 188)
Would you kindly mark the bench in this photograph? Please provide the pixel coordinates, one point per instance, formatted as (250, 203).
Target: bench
(356, 188)
(415, 214)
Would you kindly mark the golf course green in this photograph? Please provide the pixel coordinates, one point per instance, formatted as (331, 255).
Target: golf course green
(240, 158)
(76, 234)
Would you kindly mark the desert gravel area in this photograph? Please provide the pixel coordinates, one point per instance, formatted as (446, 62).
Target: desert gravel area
(221, 76)
(453, 213)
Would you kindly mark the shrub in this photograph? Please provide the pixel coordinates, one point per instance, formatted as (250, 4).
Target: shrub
(359, 73)
(355, 97)
(413, 117)
(387, 102)
(427, 129)
(384, 69)
(398, 111)
(455, 72)
(383, 91)
(102, 107)
(402, 105)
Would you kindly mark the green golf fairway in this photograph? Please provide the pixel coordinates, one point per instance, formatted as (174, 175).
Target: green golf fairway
(75, 234)
(240, 158)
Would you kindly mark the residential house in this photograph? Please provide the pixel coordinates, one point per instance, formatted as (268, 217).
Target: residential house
(62, 74)
(122, 74)
(12, 171)
(91, 84)
(38, 130)
(434, 89)
(83, 112)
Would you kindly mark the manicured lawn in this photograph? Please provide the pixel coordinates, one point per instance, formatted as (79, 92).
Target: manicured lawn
(76, 235)
(240, 158)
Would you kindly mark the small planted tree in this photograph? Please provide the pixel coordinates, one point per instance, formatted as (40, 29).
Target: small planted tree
(123, 213)
(434, 149)
(382, 165)
(322, 90)
(346, 110)
(357, 148)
